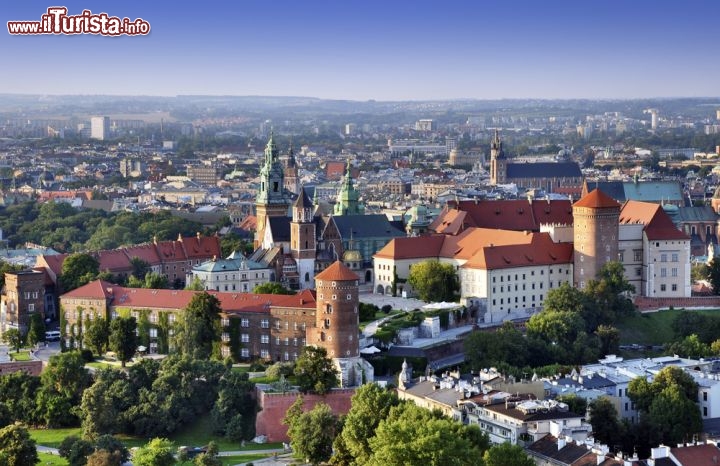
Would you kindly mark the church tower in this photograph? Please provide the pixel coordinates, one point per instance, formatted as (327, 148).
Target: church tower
(302, 239)
(271, 200)
(337, 324)
(596, 219)
(348, 202)
(498, 162)
(291, 173)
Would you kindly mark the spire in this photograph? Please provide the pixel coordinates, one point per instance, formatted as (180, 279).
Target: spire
(271, 150)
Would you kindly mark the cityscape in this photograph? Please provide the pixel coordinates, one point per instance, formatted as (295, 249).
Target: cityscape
(283, 233)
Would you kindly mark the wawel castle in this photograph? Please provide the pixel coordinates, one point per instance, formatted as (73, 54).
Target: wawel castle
(508, 254)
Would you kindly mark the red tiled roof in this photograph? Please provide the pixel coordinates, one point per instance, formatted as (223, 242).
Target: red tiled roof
(412, 248)
(201, 246)
(249, 223)
(696, 455)
(146, 252)
(141, 298)
(597, 200)
(658, 224)
(517, 215)
(337, 271)
(114, 260)
(461, 246)
(541, 250)
(54, 262)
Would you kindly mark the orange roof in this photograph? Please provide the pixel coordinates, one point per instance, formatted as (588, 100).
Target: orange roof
(141, 298)
(517, 215)
(540, 250)
(338, 272)
(597, 200)
(658, 224)
(412, 248)
(461, 246)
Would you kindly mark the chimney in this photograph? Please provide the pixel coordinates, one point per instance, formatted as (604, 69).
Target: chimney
(561, 443)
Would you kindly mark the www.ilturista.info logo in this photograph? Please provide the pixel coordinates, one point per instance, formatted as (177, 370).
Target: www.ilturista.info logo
(57, 21)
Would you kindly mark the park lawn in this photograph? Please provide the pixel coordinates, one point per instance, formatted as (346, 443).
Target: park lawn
(21, 356)
(51, 460)
(232, 460)
(53, 437)
(652, 328)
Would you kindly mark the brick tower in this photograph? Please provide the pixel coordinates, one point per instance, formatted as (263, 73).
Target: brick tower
(596, 219)
(302, 239)
(337, 324)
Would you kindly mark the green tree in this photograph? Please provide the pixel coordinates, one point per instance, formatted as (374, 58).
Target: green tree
(151, 281)
(105, 402)
(157, 452)
(104, 458)
(36, 333)
(234, 411)
(433, 281)
(62, 384)
(195, 285)
(16, 447)
(557, 327)
(370, 405)
(609, 339)
(271, 288)
(123, 340)
(75, 450)
(315, 371)
(312, 434)
(714, 275)
(674, 417)
(77, 270)
(209, 457)
(610, 292)
(198, 328)
(604, 421)
(96, 335)
(140, 268)
(414, 435)
(576, 404)
(506, 454)
(13, 338)
(114, 446)
(690, 347)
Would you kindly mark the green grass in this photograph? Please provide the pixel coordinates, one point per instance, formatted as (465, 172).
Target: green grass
(21, 356)
(52, 460)
(53, 437)
(232, 460)
(653, 328)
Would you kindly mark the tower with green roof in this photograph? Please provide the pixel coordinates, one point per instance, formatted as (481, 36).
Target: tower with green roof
(348, 200)
(272, 199)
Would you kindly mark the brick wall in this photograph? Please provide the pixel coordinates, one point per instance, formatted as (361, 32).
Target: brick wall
(29, 367)
(645, 304)
(273, 407)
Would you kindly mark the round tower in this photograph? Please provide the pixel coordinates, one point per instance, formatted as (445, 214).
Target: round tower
(596, 219)
(337, 324)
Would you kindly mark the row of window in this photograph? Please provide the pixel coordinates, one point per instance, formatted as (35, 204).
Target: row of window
(509, 300)
(663, 287)
(265, 354)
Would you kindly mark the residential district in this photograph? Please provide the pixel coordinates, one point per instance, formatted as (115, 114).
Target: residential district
(530, 217)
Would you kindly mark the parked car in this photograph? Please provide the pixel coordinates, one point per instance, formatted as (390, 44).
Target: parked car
(52, 335)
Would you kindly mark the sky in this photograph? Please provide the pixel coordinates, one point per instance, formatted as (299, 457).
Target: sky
(382, 50)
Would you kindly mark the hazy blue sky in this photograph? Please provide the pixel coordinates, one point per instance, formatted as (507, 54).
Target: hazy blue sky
(384, 50)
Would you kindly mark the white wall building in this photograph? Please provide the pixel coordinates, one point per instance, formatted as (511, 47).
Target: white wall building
(100, 128)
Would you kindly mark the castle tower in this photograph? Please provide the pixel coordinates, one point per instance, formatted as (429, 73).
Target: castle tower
(271, 200)
(302, 239)
(596, 219)
(291, 174)
(498, 162)
(348, 202)
(337, 324)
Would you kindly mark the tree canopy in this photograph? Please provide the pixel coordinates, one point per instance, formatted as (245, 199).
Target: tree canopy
(198, 328)
(16, 447)
(315, 371)
(77, 270)
(434, 281)
(123, 338)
